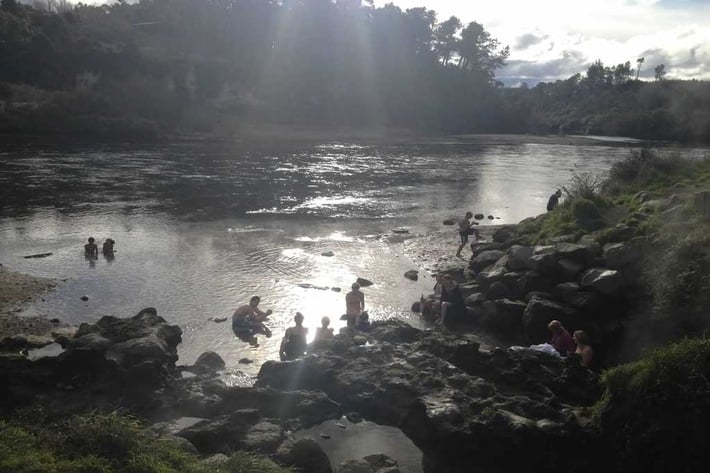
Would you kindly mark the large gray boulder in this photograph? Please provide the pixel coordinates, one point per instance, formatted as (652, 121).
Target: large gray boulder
(209, 362)
(608, 282)
(223, 434)
(264, 437)
(540, 312)
(519, 258)
(503, 316)
(621, 255)
(304, 454)
(486, 259)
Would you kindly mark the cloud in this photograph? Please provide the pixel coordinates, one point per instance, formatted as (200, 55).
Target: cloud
(528, 39)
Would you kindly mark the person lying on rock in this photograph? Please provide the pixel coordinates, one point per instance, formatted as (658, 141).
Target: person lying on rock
(560, 338)
(324, 332)
(453, 307)
(354, 304)
(294, 345)
(249, 319)
(584, 348)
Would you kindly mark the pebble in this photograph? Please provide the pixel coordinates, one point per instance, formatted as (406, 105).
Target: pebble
(246, 361)
(84, 298)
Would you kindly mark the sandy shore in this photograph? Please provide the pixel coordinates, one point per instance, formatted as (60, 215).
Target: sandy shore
(16, 291)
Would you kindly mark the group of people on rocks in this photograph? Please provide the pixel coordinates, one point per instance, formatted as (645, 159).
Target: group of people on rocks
(248, 320)
(566, 344)
(91, 250)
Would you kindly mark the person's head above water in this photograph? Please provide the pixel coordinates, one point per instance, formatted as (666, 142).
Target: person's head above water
(298, 318)
(469, 214)
(254, 301)
(355, 286)
(558, 193)
(91, 239)
(325, 321)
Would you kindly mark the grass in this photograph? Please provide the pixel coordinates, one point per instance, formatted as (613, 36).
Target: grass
(105, 443)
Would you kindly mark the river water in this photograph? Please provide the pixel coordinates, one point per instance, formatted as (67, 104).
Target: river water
(202, 227)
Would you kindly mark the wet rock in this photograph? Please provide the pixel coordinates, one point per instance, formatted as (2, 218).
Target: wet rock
(546, 264)
(223, 434)
(449, 221)
(335, 289)
(478, 248)
(503, 316)
(491, 217)
(475, 299)
(364, 282)
(245, 361)
(540, 312)
(209, 362)
(486, 259)
(569, 268)
(400, 230)
(84, 298)
(519, 257)
(479, 217)
(569, 251)
(621, 255)
(92, 342)
(354, 417)
(412, 275)
(304, 454)
(264, 437)
(38, 255)
(533, 281)
(608, 282)
(504, 233)
(328, 254)
(497, 290)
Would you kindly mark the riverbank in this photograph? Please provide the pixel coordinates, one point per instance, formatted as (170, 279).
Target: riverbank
(16, 292)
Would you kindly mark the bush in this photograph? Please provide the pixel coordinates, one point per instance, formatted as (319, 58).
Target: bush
(654, 412)
(645, 168)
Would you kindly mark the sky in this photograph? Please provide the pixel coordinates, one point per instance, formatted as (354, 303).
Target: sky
(555, 39)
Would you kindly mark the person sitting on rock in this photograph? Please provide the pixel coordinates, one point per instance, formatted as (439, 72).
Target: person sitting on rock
(249, 319)
(294, 345)
(554, 200)
(107, 248)
(584, 348)
(560, 339)
(354, 304)
(90, 249)
(453, 307)
(324, 332)
(363, 322)
(466, 229)
(430, 307)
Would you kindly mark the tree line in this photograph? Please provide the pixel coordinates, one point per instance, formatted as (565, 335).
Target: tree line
(170, 66)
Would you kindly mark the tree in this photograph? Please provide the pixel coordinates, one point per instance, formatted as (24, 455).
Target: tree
(446, 39)
(478, 51)
(659, 72)
(639, 61)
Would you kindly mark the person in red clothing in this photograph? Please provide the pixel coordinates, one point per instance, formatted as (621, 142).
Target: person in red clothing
(561, 339)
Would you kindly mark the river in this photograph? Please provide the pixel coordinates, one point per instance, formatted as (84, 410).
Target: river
(202, 227)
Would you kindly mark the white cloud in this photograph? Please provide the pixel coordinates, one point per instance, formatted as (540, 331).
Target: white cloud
(614, 31)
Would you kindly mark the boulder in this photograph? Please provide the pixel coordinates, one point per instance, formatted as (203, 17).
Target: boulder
(540, 312)
(475, 299)
(328, 254)
(504, 233)
(412, 275)
(449, 221)
(620, 233)
(92, 342)
(264, 437)
(209, 362)
(223, 434)
(479, 216)
(497, 290)
(578, 253)
(503, 316)
(486, 259)
(478, 248)
(570, 269)
(546, 264)
(377, 463)
(532, 281)
(608, 282)
(621, 255)
(519, 257)
(304, 454)
(364, 282)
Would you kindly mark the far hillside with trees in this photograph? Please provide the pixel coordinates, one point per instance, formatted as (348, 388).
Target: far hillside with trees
(165, 67)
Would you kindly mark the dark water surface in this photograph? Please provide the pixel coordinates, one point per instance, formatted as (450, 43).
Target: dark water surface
(202, 227)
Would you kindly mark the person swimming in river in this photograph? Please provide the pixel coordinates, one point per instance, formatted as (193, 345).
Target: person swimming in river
(466, 229)
(90, 249)
(324, 332)
(294, 345)
(354, 304)
(248, 319)
(107, 248)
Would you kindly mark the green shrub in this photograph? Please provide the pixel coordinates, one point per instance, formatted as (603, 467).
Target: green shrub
(654, 412)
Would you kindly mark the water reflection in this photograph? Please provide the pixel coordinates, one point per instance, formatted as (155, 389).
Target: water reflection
(195, 244)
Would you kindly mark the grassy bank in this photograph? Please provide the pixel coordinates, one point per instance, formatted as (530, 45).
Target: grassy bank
(104, 443)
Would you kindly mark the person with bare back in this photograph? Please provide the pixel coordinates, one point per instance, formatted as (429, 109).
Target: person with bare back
(466, 228)
(354, 304)
(249, 319)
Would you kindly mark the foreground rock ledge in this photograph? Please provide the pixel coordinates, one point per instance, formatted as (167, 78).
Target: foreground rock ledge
(460, 405)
